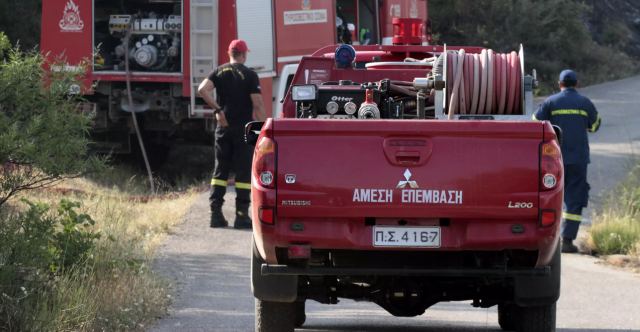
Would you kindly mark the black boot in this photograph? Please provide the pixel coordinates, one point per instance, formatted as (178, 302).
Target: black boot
(568, 246)
(243, 221)
(217, 218)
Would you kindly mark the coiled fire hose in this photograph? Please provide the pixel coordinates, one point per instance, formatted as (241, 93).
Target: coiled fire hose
(133, 113)
(483, 83)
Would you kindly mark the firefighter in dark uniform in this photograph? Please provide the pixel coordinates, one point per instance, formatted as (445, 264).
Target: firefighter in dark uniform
(239, 99)
(575, 115)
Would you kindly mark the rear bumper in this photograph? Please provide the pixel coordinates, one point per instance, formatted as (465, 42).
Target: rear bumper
(353, 234)
(267, 269)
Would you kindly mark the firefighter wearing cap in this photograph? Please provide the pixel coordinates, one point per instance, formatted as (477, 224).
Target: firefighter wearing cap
(575, 115)
(238, 100)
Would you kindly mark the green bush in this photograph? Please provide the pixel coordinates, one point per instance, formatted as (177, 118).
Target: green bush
(43, 139)
(39, 250)
(617, 227)
(617, 236)
(43, 136)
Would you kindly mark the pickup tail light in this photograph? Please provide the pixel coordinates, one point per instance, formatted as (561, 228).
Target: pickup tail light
(266, 215)
(551, 168)
(263, 173)
(548, 218)
(264, 162)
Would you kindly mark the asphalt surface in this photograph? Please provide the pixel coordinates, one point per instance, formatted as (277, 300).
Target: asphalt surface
(210, 267)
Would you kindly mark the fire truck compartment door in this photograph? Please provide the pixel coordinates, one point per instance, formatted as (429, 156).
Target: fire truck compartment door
(255, 26)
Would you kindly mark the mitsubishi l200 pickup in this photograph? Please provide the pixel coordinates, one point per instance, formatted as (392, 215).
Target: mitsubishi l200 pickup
(407, 176)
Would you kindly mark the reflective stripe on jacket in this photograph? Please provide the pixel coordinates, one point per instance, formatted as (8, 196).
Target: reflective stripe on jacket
(575, 115)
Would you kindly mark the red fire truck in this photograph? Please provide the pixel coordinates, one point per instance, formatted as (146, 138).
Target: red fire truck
(173, 44)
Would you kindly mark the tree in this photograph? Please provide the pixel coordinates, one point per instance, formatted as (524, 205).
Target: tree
(20, 20)
(553, 32)
(43, 136)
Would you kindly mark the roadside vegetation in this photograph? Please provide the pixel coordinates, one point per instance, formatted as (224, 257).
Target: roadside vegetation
(616, 229)
(599, 44)
(75, 253)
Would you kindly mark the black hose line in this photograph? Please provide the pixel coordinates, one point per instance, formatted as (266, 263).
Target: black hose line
(133, 113)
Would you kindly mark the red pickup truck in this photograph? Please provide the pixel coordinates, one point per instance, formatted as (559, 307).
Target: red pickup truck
(374, 186)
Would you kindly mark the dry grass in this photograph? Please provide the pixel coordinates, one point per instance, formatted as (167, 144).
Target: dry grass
(117, 291)
(617, 230)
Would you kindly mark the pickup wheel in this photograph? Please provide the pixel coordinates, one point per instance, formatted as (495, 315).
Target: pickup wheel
(275, 316)
(537, 319)
(301, 317)
(507, 316)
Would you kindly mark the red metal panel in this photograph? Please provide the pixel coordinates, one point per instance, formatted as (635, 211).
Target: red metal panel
(302, 27)
(66, 32)
(227, 24)
(186, 48)
(449, 147)
(266, 85)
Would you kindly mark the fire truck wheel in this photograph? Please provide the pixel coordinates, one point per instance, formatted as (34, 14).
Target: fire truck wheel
(507, 316)
(275, 316)
(537, 319)
(301, 317)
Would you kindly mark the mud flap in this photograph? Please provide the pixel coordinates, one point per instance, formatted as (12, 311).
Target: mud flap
(540, 291)
(272, 288)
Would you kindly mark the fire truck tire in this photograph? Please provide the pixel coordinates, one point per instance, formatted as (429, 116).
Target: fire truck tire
(272, 288)
(537, 319)
(300, 315)
(274, 316)
(507, 316)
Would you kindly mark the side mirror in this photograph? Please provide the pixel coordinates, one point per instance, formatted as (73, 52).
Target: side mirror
(252, 131)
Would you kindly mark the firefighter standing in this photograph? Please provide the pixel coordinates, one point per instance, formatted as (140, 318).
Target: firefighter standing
(238, 91)
(575, 115)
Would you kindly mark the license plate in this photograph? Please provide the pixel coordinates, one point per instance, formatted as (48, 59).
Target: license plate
(385, 236)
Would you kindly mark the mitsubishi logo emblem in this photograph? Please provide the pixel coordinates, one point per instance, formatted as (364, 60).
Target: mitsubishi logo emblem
(403, 184)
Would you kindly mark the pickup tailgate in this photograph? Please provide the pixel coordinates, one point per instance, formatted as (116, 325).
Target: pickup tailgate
(407, 169)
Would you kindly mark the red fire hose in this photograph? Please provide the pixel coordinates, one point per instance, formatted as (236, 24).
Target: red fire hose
(484, 83)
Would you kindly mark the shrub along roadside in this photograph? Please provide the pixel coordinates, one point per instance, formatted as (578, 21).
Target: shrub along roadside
(66, 266)
(61, 270)
(617, 227)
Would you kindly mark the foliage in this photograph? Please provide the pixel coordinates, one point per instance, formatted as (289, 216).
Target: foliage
(38, 250)
(21, 21)
(56, 274)
(5, 45)
(43, 137)
(552, 32)
(617, 230)
(618, 235)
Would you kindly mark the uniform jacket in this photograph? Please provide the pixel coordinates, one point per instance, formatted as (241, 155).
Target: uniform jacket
(575, 115)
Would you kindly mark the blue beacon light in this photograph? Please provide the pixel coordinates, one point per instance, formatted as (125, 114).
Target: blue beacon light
(344, 56)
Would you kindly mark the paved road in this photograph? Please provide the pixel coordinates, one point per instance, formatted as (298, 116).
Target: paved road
(210, 267)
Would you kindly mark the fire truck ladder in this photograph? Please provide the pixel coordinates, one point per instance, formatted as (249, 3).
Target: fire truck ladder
(204, 50)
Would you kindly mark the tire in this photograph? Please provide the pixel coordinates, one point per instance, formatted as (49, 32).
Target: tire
(537, 319)
(507, 316)
(300, 316)
(274, 316)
